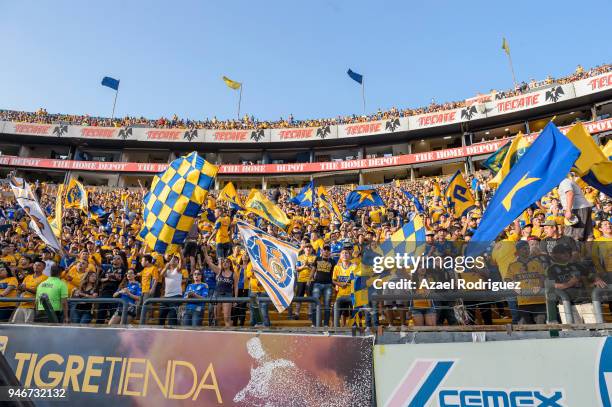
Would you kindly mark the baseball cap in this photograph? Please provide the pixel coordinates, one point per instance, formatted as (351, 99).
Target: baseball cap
(549, 222)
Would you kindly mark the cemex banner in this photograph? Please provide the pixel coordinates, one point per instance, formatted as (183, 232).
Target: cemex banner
(162, 367)
(532, 372)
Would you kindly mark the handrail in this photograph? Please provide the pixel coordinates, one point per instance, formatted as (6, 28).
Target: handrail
(201, 301)
(124, 304)
(596, 300)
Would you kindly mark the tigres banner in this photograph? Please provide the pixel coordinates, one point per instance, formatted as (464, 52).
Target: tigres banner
(159, 367)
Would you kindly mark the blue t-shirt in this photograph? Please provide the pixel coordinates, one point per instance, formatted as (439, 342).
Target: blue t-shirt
(135, 289)
(210, 278)
(200, 289)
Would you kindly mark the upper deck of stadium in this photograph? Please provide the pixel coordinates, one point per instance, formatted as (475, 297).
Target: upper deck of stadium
(435, 136)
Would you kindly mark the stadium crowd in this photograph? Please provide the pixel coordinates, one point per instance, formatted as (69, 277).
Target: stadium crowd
(102, 258)
(250, 122)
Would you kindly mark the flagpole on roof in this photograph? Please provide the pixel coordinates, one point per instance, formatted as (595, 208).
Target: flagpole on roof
(506, 48)
(363, 95)
(240, 100)
(114, 103)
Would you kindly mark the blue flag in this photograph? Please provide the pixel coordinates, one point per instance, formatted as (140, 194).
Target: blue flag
(362, 197)
(495, 160)
(414, 200)
(355, 76)
(110, 82)
(545, 164)
(306, 196)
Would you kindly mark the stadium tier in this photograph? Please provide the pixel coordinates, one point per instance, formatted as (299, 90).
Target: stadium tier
(373, 149)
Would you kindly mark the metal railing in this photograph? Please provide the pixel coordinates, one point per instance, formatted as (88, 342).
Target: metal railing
(123, 303)
(220, 300)
(596, 299)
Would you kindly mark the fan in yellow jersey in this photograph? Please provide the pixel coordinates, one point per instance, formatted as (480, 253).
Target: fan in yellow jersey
(601, 254)
(342, 278)
(149, 276)
(305, 267)
(27, 289)
(531, 274)
(258, 309)
(8, 289)
(221, 235)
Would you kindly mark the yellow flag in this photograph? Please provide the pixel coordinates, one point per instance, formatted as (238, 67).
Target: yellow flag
(56, 223)
(232, 84)
(260, 205)
(518, 145)
(436, 189)
(607, 150)
(229, 194)
(459, 196)
(592, 164)
(76, 196)
(505, 46)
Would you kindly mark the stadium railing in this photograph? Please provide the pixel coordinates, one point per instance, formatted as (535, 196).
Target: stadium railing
(596, 297)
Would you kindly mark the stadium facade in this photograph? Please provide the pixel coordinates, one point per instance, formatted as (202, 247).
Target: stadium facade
(373, 152)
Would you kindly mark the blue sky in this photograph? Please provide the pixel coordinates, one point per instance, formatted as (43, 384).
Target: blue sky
(291, 56)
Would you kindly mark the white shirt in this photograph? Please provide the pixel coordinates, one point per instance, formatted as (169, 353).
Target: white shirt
(48, 265)
(579, 200)
(174, 278)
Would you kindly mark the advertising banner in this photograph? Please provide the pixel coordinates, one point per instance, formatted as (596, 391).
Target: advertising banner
(237, 136)
(302, 134)
(546, 96)
(595, 84)
(531, 372)
(163, 367)
(371, 128)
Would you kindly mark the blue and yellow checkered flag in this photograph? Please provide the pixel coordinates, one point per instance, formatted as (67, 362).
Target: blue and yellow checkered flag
(175, 201)
(410, 239)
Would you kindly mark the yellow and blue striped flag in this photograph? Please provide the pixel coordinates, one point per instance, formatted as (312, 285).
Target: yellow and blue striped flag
(459, 197)
(261, 206)
(305, 197)
(592, 165)
(175, 201)
(516, 150)
(76, 196)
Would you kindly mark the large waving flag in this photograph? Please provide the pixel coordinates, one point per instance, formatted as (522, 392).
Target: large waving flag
(231, 84)
(414, 200)
(76, 196)
(274, 263)
(229, 194)
(543, 166)
(592, 165)
(516, 150)
(38, 221)
(175, 201)
(459, 197)
(607, 149)
(261, 206)
(436, 189)
(505, 46)
(305, 197)
(362, 197)
(325, 201)
(495, 160)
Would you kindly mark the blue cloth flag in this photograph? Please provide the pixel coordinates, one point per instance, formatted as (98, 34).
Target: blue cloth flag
(110, 82)
(362, 197)
(414, 200)
(306, 196)
(545, 164)
(355, 76)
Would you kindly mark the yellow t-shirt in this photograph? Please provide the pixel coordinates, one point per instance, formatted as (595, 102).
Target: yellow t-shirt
(254, 285)
(601, 253)
(531, 275)
(31, 282)
(317, 245)
(504, 254)
(222, 227)
(146, 276)
(76, 278)
(305, 274)
(10, 259)
(4, 283)
(344, 275)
